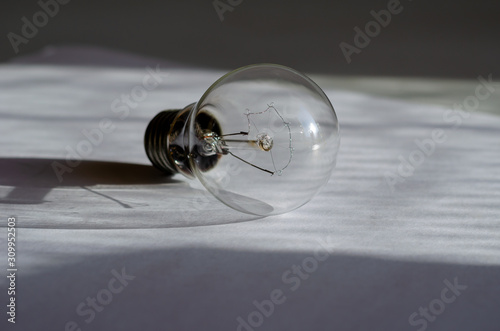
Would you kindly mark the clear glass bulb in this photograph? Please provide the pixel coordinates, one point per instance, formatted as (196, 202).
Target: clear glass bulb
(262, 139)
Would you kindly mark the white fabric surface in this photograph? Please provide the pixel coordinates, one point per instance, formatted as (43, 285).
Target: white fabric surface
(199, 265)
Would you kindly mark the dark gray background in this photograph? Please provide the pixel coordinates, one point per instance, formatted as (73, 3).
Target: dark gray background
(447, 38)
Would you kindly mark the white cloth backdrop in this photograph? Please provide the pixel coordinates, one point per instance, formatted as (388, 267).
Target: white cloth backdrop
(199, 265)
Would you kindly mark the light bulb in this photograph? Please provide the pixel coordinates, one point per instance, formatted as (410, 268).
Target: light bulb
(262, 139)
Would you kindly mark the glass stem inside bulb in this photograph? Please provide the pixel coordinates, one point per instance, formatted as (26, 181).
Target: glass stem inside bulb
(214, 144)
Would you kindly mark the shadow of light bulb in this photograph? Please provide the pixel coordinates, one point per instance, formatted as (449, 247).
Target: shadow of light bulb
(33, 179)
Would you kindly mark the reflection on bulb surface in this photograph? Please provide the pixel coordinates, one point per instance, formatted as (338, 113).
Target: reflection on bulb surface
(262, 139)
